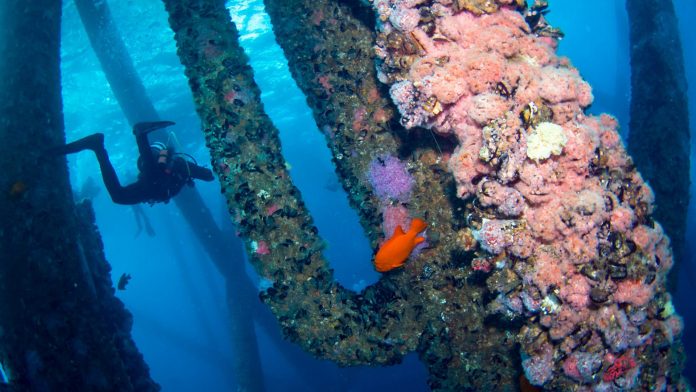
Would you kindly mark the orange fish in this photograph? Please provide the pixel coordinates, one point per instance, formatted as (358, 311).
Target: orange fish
(394, 251)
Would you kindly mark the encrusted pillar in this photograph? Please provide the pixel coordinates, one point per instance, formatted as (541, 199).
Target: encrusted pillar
(330, 50)
(323, 317)
(429, 305)
(563, 221)
(659, 138)
(61, 326)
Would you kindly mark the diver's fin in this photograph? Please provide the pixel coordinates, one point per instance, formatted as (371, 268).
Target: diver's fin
(147, 127)
(92, 142)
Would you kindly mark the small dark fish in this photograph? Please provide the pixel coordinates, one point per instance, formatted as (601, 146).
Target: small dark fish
(17, 189)
(123, 281)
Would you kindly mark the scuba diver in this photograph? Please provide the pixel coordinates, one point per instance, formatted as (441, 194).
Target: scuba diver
(163, 172)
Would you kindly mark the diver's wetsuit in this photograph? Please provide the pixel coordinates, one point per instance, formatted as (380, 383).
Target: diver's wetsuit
(156, 183)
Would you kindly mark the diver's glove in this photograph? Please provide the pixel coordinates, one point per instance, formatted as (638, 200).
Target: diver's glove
(207, 175)
(201, 173)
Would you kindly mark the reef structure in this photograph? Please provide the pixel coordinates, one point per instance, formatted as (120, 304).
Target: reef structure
(263, 202)
(562, 217)
(446, 301)
(419, 309)
(391, 175)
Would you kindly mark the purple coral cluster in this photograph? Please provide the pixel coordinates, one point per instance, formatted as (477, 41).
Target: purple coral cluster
(390, 178)
(392, 183)
(539, 368)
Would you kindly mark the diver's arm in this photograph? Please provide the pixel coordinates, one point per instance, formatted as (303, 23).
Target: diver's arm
(201, 173)
(191, 170)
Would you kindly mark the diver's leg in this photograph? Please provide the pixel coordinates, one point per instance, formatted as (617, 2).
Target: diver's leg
(137, 213)
(147, 127)
(91, 142)
(146, 160)
(140, 130)
(148, 227)
(113, 185)
(137, 192)
(142, 219)
(119, 194)
(95, 142)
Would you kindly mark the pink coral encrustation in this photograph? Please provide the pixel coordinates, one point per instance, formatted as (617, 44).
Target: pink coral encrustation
(557, 195)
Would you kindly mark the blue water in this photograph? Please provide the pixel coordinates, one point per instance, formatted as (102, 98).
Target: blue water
(176, 295)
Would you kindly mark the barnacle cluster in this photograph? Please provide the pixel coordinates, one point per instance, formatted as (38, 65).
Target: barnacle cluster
(402, 50)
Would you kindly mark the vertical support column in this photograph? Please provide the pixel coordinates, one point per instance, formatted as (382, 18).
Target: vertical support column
(115, 61)
(659, 137)
(54, 333)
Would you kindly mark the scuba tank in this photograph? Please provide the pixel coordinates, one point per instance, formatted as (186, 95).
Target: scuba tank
(176, 166)
(174, 156)
(167, 158)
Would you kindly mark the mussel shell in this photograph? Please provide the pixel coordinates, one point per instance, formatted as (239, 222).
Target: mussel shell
(618, 271)
(599, 295)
